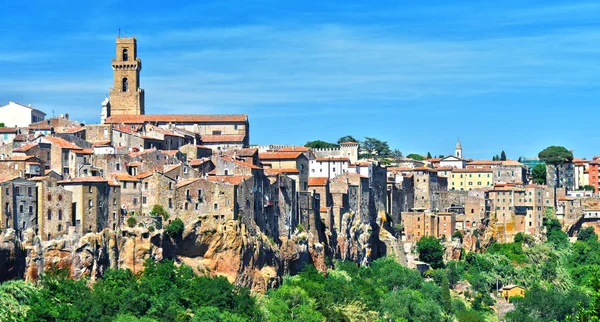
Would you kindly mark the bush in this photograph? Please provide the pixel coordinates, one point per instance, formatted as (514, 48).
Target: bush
(300, 228)
(175, 228)
(159, 210)
(458, 234)
(131, 222)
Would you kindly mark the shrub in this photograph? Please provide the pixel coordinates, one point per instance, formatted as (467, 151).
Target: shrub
(131, 222)
(300, 228)
(159, 210)
(175, 228)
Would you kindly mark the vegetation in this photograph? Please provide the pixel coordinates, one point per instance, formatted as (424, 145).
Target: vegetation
(346, 138)
(429, 155)
(175, 228)
(556, 156)
(431, 251)
(131, 222)
(415, 156)
(318, 144)
(539, 173)
(158, 210)
(503, 156)
(376, 148)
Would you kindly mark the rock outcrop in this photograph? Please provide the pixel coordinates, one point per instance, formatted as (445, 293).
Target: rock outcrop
(209, 247)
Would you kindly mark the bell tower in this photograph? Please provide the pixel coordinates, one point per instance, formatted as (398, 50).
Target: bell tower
(126, 97)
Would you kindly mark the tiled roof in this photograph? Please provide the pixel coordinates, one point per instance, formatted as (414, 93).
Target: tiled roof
(484, 162)
(25, 147)
(185, 182)
(411, 169)
(434, 160)
(139, 153)
(235, 180)
(73, 130)
(348, 143)
(8, 130)
(279, 155)
(317, 181)
(249, 165)
(578, 160)
(84, 151)
(511, 163)
(20, 158)
(360, 164)
(293, 149)
(170, 167)
(5, 178)
(123, 177)
(333, 159)
(221, 138)
(84, 180)
(62, 143)
(174, 118)
(169, 152)
(444, 169)
(472, 170)
(144, 174)
(165, 132)
(197, 162)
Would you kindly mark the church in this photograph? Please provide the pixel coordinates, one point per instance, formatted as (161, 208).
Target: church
(125, 106)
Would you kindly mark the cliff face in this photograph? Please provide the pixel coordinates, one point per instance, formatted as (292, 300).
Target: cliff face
(209, 247)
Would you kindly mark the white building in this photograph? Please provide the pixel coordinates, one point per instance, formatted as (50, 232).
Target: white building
(453, 162)
(328, 167)
(17, 115)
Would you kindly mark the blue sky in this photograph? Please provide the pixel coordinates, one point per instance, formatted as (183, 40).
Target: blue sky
(500, 75)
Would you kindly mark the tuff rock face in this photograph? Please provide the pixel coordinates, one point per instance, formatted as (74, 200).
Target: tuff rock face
(209, 247)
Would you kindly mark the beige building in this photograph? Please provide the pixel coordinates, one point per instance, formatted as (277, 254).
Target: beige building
(288, 161)
(54, 208)
(470, 178)
(17, 115)
(126, 97)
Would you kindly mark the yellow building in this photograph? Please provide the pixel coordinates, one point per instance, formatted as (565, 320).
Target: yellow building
(470, 178)
(512, 290)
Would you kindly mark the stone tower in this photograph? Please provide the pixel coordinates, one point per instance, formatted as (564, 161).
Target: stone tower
(126, 97)
(349, 150)
(458, 150)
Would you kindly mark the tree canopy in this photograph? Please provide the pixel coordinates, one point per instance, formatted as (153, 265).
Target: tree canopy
(431, 251)
(346, 138)
(503, 156)
(318, 144)
(415, 156)
(539, 173)
(376, 148)
(555, 155)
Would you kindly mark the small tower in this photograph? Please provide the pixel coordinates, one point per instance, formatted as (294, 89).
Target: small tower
(349, 150)
(105, 110)
(126, 97)
(458, 150)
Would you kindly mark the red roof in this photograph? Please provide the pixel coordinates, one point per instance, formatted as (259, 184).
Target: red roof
(197, 162)
(84, 180)
(333, 159)
(472, 170)
(317, 181)
(185, 182)
(123, 177)
(293, 149)
(169, 152)
(235, 180)
(272, 172)
(348, 143)
(174, 118)
(25, 148)
(279, 155)
(62, 143)
(8, 130)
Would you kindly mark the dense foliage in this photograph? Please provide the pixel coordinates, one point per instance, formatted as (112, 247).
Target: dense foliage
(539, 173)
(415, 156)
(175, 228)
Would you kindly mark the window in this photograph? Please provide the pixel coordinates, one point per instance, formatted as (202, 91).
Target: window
(216, 132)
(135, 201)
(185, 206)
(170, 203)
(90, 203)
(125, 55)
(333, 168)
(124, 185)
(21, 208)
(144, 200)
(146, 185)
(170, 185)
(59, 227)
(216, 206)
(7, 191)
(59, 214)
(29, 191)
(90, 189)
(125, 85)
(135, 185)
(17, 190)
(49, 214)
(114, 215)
(49, 197)
(30, 209)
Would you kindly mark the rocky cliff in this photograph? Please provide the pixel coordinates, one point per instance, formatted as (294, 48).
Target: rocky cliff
(209, 247)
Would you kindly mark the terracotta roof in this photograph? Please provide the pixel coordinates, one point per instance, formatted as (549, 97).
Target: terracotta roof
(272, 172)
(434, 160)
(62, 143)
(19, 158)
(235, 180)
(348, 143)
(472, 170)
(566, 198)
(8, 130)
(139, 153)
(40, 126)
(293, 149)
(134, 164)
(279, 155)
(169, 152)
(511, 163)
(25, 147)
(222, 138)
(101, 143)
(84, 151)
(166, 132)
(197, 162)
(324, 209)
(123, 177)
(73, 129)
(84, 180)
(360, 164)
(6, 178)
(333, 159)
(245, 164)
(411, 169)
(144, 174)
(185, 182)
(484, 162)
(578, 160)
(174, 118)
(444, 169)
(170, 167)
(317, 181)
(39, 178)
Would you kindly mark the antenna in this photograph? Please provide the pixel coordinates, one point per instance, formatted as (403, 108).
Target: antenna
(125, 32)
(119, 32)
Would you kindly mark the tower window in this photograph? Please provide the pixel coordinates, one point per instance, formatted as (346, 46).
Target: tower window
(125, 55)
(125, 85)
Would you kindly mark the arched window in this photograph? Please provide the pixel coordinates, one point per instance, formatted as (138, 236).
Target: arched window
(125, 55)
(125, 85)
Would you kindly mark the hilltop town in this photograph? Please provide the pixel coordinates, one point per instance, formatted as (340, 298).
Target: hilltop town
(133, 174)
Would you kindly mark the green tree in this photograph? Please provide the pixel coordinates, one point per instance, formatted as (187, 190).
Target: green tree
(346, 138)
(158, 210)
(587, 234)
(318, 144)
(131, 221)
(503, 156)
(547, 304)
(15, 297)
(556, 156)
(539, 173)
(446, 298)
(290, 303)
(431, 251)
(429, 155)
(415, 156)
(397, 154)
(520, 160)
(175, 228)
(376, 148)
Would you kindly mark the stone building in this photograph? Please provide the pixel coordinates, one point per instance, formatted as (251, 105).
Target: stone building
(21, 166)
(319, 186)
(426, 185)
(288, 160)
(131, 192)
(157, 189)
(90, 203)
(38, 150)
(54, 208)
(126, 97)
(59, 154)
(197, 198)
(563, 178)
(581, 173)
(347, 150)
(193, 151)
(470, 178)
(19, 204)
